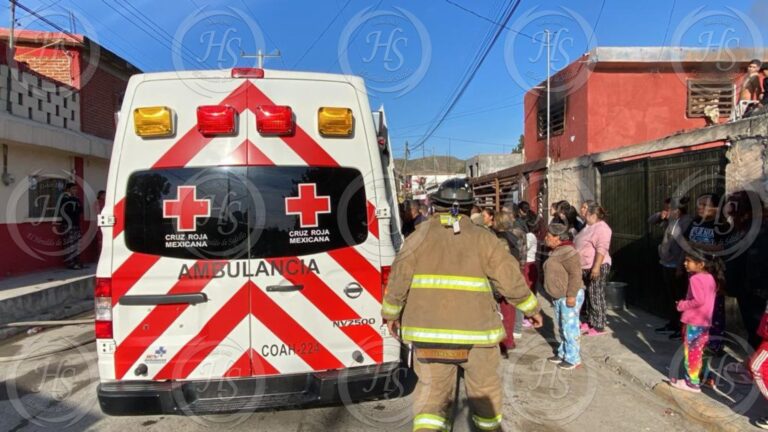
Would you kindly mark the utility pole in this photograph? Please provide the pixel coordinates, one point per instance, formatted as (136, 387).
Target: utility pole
(405, 162)
(549, 88)
(13, 25)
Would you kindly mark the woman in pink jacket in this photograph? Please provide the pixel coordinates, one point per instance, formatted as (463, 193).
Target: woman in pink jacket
(593, 243)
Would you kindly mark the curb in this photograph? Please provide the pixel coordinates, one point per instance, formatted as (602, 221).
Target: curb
(61, 301)
(665, 393)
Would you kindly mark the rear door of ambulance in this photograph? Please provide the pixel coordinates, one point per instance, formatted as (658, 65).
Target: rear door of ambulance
(245, 253)
(315, 256)
(180, 284)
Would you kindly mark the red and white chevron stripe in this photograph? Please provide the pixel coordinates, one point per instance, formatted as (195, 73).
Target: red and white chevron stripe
(226, 336)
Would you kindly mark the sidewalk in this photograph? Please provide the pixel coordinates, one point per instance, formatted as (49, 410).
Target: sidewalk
(644, 357)
(46, 295)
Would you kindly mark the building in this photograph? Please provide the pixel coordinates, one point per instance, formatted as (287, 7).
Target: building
(480, 165)
(58, 97)
(629, 128)
(603, 102)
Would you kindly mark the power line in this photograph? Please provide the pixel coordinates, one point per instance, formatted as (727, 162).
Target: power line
(322, 33)
(352, 38)
(472, 71)
(669, 22)
(160, 31)
(46, 20)
(470, 11)
(460, 115)
(137, 50)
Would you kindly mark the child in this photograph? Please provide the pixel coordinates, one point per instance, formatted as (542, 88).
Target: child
(562, 281)
(758, 365)
(705, 279)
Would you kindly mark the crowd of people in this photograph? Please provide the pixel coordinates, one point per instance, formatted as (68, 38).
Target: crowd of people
(703, 257)
(570, 251)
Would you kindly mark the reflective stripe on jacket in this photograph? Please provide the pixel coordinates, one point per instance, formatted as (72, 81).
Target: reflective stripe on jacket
(440, 285)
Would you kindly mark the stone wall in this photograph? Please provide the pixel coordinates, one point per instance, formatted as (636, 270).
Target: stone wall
(574, 180)
(747, 167)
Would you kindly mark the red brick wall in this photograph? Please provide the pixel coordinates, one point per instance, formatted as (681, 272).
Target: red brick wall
(60, 64)
(99, 100)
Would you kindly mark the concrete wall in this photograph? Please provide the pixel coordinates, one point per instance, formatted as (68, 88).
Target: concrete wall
(747, 167)
(481, 165)
(573, 182)
(41, 100)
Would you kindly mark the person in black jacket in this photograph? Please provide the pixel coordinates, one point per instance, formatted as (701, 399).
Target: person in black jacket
(70, 210)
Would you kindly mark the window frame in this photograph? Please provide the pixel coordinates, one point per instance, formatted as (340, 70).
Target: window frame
(729, 103)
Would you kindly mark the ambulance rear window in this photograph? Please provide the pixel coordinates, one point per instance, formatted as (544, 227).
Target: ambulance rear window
(239, 212)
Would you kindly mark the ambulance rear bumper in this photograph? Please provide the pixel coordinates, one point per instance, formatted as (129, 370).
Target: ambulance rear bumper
(251, 394)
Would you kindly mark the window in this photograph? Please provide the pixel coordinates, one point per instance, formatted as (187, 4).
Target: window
(710, 93)
(238, 213)
(556, 114)
(44, 194)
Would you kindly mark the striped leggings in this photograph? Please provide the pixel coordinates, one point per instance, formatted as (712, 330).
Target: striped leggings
(595, 300)
(758, 366)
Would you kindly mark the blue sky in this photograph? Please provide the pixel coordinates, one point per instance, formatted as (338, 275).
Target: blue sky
(413, 54)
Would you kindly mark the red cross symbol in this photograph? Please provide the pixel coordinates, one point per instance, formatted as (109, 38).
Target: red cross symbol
(186, 208)
(308, 205)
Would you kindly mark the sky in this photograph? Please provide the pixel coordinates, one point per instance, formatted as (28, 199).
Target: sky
(415, 56)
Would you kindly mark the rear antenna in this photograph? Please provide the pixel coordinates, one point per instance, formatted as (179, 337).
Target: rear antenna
(260, 56)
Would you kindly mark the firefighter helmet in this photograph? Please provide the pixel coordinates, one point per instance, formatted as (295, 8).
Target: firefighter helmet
(453, 191)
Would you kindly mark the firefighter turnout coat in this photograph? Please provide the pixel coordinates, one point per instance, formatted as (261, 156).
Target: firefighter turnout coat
(441, 285)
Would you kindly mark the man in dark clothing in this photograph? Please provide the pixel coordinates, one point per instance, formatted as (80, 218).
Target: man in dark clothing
(70, 210)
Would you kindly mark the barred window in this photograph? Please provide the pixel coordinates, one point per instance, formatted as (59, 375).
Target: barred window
(706, 95)
(556, 115)
(44, 194)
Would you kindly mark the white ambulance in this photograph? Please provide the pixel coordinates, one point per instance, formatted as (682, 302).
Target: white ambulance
(249, 228)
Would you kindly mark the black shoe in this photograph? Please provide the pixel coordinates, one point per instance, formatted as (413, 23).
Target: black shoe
(568, 366)
(676, 335)
(555, 360)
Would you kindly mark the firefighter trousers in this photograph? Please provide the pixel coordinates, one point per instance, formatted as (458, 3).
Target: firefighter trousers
(433, 400)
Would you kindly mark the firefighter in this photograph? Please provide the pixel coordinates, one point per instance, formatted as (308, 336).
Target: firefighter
(440, 287)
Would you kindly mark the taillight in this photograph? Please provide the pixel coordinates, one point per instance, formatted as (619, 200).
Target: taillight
(216, 120)
(384, 278)
(103, 307)
(274, 120)
(247, 73)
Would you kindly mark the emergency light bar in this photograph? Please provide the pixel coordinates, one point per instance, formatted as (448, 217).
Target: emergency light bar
(335, 122)
(153, 122)
(274, 120)
(216, 120)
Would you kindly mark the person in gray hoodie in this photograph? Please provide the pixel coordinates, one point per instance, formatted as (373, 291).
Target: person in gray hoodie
(563, 282)
(674, 219)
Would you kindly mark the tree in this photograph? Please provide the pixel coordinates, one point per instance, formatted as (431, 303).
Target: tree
(520, 144)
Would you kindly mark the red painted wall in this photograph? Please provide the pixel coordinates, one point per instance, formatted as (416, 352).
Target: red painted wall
(573, 142)
(618, 106)
(29, 247)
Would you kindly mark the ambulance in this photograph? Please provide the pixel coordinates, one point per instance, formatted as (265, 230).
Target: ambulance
(248, 233)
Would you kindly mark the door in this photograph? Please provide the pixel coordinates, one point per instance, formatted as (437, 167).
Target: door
(180, 242)
(631, 192)
(315, 262)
